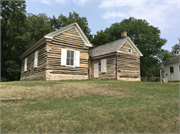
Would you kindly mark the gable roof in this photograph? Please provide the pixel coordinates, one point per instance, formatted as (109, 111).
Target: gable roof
(113, 47)
(49, 37)
(172, 60)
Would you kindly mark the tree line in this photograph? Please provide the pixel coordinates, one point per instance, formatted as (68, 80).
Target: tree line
(20, 30)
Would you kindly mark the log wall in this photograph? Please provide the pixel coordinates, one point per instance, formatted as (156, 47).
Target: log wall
(128, 64)
(37, 73)
(110, 68)
(69, 39)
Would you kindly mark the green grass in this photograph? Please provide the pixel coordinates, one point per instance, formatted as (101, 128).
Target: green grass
(90, 106)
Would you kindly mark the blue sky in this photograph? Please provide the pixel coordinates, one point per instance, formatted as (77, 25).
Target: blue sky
(164, 14)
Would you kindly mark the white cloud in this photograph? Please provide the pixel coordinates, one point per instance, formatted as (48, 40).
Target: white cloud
(162, 14)
(63, 2)
(80, 2)
(47, 2)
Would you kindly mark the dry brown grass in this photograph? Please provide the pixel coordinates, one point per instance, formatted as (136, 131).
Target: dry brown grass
(62, 90)
(104, 106)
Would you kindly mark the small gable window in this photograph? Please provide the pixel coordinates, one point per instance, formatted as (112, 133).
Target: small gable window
(35, 59)
(129, 50)
(25, 64)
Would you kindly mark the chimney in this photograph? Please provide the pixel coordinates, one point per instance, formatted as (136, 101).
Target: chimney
(123, 34)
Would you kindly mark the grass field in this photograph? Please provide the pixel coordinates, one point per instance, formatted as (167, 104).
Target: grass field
(90, 106)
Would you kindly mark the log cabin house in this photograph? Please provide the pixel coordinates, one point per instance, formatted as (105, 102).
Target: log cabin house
(64, 54)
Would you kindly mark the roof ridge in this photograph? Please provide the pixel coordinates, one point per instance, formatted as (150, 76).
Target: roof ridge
(109, 42)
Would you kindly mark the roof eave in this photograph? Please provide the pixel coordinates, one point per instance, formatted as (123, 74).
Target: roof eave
(139, 53)
(49, 37)
(169, 62)
(75, 25)
(102, 55)
(33, 47)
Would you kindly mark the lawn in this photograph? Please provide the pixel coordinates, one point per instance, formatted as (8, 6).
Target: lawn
(90, 106)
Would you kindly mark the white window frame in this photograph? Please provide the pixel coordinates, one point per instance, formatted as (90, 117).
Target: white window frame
(25, 64)
(35, 59)
(129, 49)
(74, 57)
(102, 70)
(64, 58)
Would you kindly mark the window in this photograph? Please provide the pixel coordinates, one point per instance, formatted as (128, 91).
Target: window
(70, 58)
(171, 70)
(35, 59)
(129, 50)
(103, 65)
(25, 64)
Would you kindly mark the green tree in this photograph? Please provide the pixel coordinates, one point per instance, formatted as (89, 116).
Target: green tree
(164, 55)
(13, 18)
(100, 38)
(176, 47)
(19, 31)
(36, 27)
(62, 21)
(145, 36)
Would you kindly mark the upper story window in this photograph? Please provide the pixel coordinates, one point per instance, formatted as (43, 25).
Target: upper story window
(171, 70)
(129, 50)
(25, 64)
(35, 59)
(70, 57)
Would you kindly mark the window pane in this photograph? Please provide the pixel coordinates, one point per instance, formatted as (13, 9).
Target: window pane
(68, 53)
(171, 70)
(68, 61)
(72, 62)
(72, 54)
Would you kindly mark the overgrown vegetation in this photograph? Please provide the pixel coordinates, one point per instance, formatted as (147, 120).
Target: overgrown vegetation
(90, 106)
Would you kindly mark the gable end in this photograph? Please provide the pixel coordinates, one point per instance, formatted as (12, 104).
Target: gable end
(133, 46)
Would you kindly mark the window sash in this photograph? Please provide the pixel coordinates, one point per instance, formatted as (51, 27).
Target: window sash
(171, 70)
(70, 58)
(129, 50)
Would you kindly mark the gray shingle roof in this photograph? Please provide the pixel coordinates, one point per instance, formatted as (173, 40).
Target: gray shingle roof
(107, 48)
(173, 59)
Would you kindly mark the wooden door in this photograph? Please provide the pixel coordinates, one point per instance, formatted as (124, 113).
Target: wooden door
(96, 70)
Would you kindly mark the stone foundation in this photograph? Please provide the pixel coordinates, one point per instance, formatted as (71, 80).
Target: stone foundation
(130, 79)
(50, 76)
(34, 77)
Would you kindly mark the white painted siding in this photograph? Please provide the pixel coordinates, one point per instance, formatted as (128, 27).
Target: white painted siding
(175, 75)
